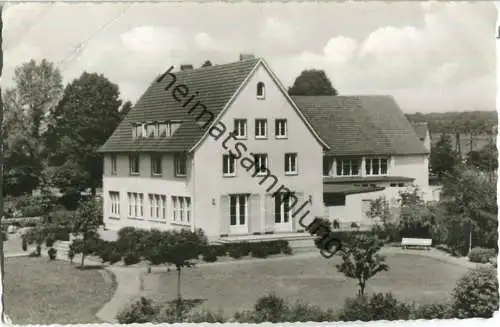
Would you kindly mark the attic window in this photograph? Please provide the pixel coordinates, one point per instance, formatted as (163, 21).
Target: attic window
(163, 129)
(174, 126)
(261, 90)
(152, 130)
(138, 131)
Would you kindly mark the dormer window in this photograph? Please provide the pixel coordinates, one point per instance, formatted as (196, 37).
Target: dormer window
(163, 129)
(137, 131)
(152, 130)
(174, 126)
(261, 90)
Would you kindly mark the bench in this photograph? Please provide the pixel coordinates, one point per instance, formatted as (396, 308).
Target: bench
(407, 242)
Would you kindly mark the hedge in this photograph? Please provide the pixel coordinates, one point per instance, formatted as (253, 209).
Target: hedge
(482, 255)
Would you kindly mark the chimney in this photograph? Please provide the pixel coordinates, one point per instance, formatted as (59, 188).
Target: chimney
(246, 56)
(186, 67)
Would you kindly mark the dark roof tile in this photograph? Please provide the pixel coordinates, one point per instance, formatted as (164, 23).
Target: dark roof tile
(361, 125)
(215, 86)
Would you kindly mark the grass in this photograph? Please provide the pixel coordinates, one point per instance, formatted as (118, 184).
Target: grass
(41, 292)
(411, 278)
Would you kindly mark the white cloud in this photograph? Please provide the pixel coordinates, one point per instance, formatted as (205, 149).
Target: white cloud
(152, 39)
(340, 49)
(277, 32)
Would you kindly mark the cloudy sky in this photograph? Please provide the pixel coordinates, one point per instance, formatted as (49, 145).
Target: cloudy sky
(429, 56)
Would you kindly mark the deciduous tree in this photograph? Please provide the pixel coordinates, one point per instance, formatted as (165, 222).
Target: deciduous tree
(88, 219)
(312, 82)
(361, 260)
(82, 121)
(37, 89)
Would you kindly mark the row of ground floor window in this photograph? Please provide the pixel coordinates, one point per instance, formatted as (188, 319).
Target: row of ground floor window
(239, 213)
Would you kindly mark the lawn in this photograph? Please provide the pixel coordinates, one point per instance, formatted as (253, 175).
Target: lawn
(231, 287)
(41, 292)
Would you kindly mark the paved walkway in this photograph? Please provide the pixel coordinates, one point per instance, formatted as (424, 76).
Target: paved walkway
(129, 278)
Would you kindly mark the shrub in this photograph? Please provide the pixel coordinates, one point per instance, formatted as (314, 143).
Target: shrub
(259, 250)
(207, 316)
(378, 307)
(432, 311)
(481, 255)
(38, 250)
(4, 236)
(178, 310)
(220, 249)
(243, 247)
(235, 252)
(270, 308)
(210, 254)
(142, 311)
(131, 258)
(303, 312)
(24, 244)
(273, 247)
(476, 294)
(52, 253)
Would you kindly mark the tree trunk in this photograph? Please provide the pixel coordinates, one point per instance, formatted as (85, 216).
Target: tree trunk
(362, 286)
(179, 299)
(178, 282)
(83, 259)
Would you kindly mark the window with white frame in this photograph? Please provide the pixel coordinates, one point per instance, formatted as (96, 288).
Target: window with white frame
(238, 209)
(138, 130)
(180, 165)
(152, 130)
(134, 164)
(228, 168)
(327, 165)
(261, 166)
(282, 208)
(376, 166)
(163, 129)
(290, 163)
(113, 165)
(181, 209)
(157, 206)
(280, 128)
(348, 166)
(115, 204)
(260, 128)
(135, 205)
(156, 164)
(261, 90)
(240, 128)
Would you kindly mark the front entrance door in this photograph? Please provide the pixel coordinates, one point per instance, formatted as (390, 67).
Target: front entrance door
(238, 214)
(282, 213)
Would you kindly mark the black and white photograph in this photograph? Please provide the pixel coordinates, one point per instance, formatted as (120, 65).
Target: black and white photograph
(248, 162)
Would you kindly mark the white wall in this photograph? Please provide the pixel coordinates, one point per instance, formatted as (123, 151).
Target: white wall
(208, 179)
(146, 186)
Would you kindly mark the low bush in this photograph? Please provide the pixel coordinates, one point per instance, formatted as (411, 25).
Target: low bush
(210, 254)
(481, 255)
(304, 312)
(270, 308)
(244, 248)
(220, 249)
(235, 252)
(142, 311)
(377, 307)
(52, 253)
(260, 249)
(476, 294)
(24, 244)
(432, 311)
(207, 316)
(131, 258)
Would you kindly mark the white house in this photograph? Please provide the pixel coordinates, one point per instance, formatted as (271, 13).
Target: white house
(226, 149)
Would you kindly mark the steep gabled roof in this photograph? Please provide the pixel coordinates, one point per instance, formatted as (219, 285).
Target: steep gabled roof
(361, 125)
(421, 129)
(215, 86)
